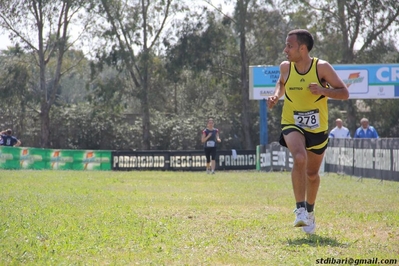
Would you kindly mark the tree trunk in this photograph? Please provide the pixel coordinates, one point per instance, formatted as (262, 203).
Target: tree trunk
(245, 119)
(351, 115)
(347, 52)
(144, 98)
(146, 121)
(45, 127)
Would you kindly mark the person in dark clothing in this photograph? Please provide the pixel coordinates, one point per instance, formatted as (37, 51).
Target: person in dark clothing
(210, 137)
(8, 139)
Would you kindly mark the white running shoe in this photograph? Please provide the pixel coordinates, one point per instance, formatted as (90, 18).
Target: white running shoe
(301, 217)
(208, 171)
(311, 227)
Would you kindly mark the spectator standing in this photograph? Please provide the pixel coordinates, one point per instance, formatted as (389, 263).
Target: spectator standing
(339, 132)
(365, 131)
(8, 139)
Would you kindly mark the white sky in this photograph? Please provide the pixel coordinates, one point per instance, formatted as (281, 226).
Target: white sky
(4, 42)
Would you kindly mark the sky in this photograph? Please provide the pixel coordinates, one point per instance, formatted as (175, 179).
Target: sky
(4, 41)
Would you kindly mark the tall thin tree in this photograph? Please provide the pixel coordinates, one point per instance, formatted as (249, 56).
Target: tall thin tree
(134, 28)
(42, 27)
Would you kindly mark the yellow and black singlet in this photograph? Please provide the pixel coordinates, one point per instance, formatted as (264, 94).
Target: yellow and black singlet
(301, 107)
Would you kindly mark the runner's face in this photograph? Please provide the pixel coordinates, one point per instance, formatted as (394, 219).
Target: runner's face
(292, 48)
(210, 123)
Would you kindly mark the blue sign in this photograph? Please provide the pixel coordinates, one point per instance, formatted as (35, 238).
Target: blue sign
(363, 81)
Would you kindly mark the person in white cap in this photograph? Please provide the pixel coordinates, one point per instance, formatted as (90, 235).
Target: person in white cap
(339, 132)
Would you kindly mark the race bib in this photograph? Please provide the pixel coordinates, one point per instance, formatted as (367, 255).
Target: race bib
(210, 143)
(309, 119)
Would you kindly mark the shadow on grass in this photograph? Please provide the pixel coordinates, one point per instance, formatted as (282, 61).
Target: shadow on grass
(316, 241)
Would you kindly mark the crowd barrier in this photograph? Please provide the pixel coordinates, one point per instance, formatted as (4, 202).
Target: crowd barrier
(371, 158)
(374, 158)
(274, 157)
(41, 159)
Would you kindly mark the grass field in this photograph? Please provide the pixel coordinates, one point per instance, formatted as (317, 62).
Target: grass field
(190, 218)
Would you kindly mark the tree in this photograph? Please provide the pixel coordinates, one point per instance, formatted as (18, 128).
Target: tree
(14, 89)
(133, 29)
(241, 14)
(42, 27)
(352, 25)
(250, 39)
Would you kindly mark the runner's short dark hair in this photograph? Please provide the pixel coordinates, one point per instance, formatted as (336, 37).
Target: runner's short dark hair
(303, 37)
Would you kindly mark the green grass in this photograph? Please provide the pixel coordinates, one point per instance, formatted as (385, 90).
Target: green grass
(189, 218)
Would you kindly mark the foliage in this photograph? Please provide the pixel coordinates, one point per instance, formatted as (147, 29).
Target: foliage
(83, 126)
(133, 30)
(141, 86)
(201, 44)
(175, 132)
(346, 23)
(383, 116)
(42, 28)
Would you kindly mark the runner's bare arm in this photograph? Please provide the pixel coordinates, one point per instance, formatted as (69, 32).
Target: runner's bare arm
(280, 88)
(337, 90)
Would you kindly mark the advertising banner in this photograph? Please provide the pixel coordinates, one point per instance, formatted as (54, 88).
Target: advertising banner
(376, 158)
(339, 156)
(40, 159)
(139, 160)
(371, 158)
(369, 81)
(91, 160)
(182, 160)
(9, 158)
(274, 157)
